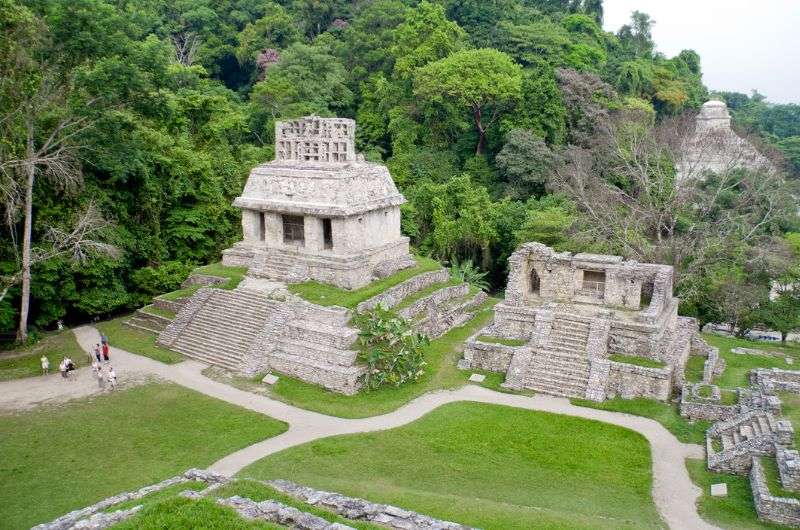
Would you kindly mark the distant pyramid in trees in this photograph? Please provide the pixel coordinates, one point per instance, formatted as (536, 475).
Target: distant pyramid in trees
(715, 147)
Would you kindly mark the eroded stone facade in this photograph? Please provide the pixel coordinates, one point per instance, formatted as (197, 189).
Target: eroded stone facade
(319, 211)
(572, 312)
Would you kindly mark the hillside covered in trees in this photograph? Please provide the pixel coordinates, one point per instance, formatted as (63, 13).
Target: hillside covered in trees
(127, 128)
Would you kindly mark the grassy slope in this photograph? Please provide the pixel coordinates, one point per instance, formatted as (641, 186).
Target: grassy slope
(734, 512)
(328, 295)
(136, 341)
(790, 407)
(488, 339)
(694, 368)
(637, 361)
(487, 466)
(234, 274)
(184, 514)
(441, 372)
(664, 413)
(57, 459)
(738, 366)
(55, 346)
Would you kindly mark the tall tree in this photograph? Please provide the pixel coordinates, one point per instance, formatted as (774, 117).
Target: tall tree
(485, 81)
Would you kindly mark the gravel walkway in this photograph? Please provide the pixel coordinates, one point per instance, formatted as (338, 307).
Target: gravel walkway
(673, 491)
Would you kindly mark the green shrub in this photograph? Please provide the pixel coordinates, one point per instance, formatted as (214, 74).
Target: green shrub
(466, 271)
(392, 350)
(166, 277)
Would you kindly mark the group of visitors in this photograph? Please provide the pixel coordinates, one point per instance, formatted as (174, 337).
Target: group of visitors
(101, 366)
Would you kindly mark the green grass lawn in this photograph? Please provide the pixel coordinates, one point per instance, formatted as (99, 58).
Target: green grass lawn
(664, 413)
(790, 408)
(235, 276)
(738, 367)
(153, 310)
(184, 514)
(694, 368)
(59, 458)
(26, 362)
(736, 511)
(441, 356)
(637, 361)
(488, 339)
(487, 466)
(328, 295)
(136, 341)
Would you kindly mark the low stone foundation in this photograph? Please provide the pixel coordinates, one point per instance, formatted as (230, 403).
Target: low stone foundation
(277, 512)
(696, 407)
(780, 510)
(360, 509)
(394, 295)
(788, 461)
(206, 280)
(630, 381)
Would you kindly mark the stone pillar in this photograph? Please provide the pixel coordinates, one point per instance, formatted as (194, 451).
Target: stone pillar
(273, 229)
(251, 222)
(313, 234)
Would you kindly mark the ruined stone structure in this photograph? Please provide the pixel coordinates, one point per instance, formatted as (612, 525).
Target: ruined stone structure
(573, 312)
(315, 212)
(319, 211)
(715, 147)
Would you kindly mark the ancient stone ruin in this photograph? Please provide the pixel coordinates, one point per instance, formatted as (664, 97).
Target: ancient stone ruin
(715, 147)
(317, 212)
(580, 325)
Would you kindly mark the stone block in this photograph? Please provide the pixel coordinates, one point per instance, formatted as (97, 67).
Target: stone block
(477, 378)
(270, 379)
(719, 490)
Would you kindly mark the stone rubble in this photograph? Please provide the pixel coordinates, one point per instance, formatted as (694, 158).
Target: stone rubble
(360, 509)
(277, 512)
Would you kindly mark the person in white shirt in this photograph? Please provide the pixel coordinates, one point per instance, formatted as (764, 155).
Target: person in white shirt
(112, 378)
(45, 365)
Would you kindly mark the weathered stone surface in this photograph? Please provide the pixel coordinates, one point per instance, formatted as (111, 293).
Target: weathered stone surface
(90, 518)
(394, 295)
(319, 211)
(270, 379)
(277, 512)
(576, 311)
(206, 280)
(360, 509)
(477, 378)
(781, 510)
(696, 407)
(719, 490)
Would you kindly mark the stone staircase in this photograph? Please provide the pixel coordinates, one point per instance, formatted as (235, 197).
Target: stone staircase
(144, 321)
(561, 367)
(223, 328)
(732, 443)
(277, 265)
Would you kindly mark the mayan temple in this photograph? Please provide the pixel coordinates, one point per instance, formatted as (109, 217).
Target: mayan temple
(571, 323)
(320, 211)
(317, 212)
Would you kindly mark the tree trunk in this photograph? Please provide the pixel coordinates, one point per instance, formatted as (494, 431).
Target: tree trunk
(481, 131)
(22, 331)
(784, 334)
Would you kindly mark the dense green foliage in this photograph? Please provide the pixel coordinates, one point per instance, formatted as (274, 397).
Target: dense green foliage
(472, 105)
(441, 465)
(114, 443)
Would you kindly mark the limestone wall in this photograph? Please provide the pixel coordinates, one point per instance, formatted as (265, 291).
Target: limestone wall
(630, 381)
(780, 510)
(393, 296)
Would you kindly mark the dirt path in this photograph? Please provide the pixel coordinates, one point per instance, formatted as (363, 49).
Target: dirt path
(673, 491)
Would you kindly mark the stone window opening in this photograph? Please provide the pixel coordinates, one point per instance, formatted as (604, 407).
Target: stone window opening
(647, 293)
(327, 234)
(594, 282)
(262, 226)
(294, 230)
(536, 283)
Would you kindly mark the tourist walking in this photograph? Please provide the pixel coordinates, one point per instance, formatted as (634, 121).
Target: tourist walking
(45, 365)
(62, 367)
(105, 351)
(103, 338)
(101, 382)
(69, 366)
(97, 353)
(112, 377)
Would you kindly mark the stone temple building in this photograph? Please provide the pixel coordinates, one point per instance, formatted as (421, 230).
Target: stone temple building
(715, 147)
(567, 317)
(319, 211)
(316, 212)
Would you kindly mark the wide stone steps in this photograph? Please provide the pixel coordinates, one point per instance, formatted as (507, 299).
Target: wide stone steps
(569, 379)
(311, 350)
(340, 378)
(556, 388)
(224, 327)
(338, 337)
